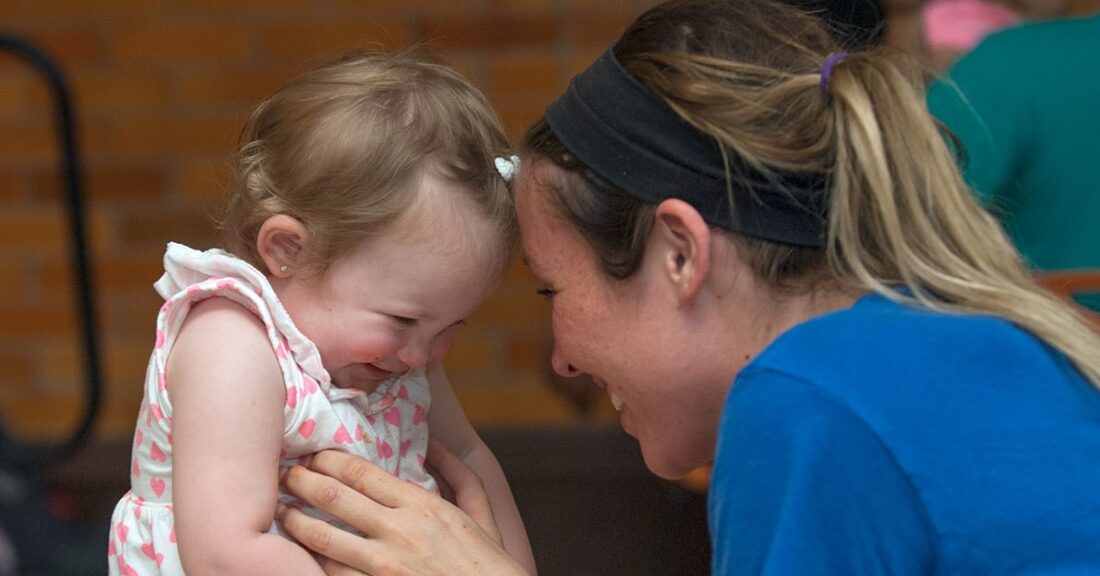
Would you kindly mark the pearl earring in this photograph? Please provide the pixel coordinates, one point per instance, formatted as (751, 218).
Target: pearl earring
(283, 268)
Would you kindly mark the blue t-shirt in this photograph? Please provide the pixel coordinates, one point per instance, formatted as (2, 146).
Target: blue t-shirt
(883, 439)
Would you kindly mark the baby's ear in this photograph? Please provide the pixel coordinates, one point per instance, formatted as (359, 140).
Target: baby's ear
(281, 243)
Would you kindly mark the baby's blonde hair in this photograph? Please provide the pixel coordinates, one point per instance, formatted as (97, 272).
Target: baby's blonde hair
(344, 147)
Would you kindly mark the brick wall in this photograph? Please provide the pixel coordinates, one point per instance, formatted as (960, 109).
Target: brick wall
(162, 87)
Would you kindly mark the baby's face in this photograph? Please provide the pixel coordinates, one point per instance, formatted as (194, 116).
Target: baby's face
(394, 303)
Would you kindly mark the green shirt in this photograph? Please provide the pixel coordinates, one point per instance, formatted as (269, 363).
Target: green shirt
(1026, 106)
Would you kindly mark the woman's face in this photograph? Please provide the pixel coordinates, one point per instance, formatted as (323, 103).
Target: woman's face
(628, 335)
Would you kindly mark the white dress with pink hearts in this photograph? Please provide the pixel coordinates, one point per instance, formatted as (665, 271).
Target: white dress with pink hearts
(388, 426)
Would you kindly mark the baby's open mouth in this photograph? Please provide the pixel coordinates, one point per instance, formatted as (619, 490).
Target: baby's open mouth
(376, 372)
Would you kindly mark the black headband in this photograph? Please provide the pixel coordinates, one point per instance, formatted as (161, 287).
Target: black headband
(632, 139)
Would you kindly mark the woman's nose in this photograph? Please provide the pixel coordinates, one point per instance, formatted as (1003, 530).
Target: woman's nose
(562, 366)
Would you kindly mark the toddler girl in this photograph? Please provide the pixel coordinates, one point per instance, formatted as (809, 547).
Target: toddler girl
(367, 218)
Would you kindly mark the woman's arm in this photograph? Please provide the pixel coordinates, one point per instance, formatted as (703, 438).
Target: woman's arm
(448, 424)
(409, 530)
(227, 398)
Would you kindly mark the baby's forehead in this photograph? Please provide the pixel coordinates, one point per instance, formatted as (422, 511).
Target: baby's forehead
(449, 222)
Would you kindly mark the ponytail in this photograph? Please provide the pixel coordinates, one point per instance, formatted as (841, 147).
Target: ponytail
(901, 215)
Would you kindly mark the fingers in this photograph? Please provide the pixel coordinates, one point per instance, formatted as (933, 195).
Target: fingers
(364, 476)
(335, 549)
(334, 568)
(469, 491)
(336, 498)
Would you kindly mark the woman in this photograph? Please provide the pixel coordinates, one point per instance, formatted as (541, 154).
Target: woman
(762, 249)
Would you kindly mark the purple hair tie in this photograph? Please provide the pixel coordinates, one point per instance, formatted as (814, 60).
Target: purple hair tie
(827, 70)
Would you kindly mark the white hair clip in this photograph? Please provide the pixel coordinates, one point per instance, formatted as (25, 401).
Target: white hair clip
(507, 166)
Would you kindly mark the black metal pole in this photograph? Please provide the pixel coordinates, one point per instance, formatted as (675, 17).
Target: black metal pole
(72, 177)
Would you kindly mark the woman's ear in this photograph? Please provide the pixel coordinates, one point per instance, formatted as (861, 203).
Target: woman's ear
(683, 240)
(280, 242)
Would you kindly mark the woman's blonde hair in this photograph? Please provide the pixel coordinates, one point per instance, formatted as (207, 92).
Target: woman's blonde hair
(901, 221)
(343, 149)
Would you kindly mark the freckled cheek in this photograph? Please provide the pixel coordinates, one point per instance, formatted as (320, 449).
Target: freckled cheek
(376, 347)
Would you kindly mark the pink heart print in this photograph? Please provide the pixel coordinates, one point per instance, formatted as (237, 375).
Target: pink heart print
(152, 553)
(158, 486)
(309, 385)
(307, 428)
(156, 454)
(121, 530)
(383, 447)
(292, 396)
(341, 436)
(419, 415)
(393, 416)
(124, 568)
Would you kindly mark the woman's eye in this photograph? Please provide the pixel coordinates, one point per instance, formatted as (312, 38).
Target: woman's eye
(547, 293)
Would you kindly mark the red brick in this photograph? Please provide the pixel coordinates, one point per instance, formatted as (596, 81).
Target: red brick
(68, 10)
(583, 58)
(311, 43)
(518, 114)
(13, 91)
(405, 6)
(126, 362)
(71, 48)
(205, 180)
(489, 31)
(208, 7)
(513, 309)
(41, 417)
(108, 183)
(530, 352)
(10, 187)
(513, 73)
(472, 351)
(142, 138)
(187, 226)
(27, 143)
(128, 272)
(116, 277)
(25, 321)
(244, 88)
(13, 280)
(599, 29)
(627, 8)
(182, 44)
(18, 373)
(527, 6)
(99, 230)
(61, 367)
(120, 93)
(132, 319)
(37, 230)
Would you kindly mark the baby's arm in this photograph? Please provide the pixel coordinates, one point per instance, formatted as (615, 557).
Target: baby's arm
(448, 425)
(227, 397)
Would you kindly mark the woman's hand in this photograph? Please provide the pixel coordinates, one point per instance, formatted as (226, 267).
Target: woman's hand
(407, 529)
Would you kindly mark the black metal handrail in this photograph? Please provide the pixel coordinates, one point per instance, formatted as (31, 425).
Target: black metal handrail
(72, 178)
